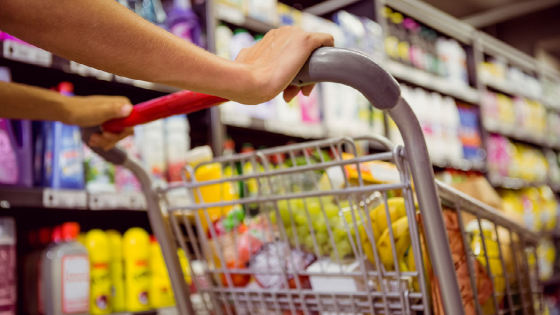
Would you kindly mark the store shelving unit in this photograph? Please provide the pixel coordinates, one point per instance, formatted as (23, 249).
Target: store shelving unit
(480, 43)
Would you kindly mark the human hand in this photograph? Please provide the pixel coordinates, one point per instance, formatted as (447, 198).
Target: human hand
(88, 111)
(276, 60)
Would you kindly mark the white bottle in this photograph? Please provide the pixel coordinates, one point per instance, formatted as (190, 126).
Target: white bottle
(65, 273)
(436, 108)
(452, 123)
(223, 41)
(153, 151)
(177, 143)
(240, 39)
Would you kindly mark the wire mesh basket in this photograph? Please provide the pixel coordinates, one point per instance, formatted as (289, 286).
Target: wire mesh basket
(316, 228)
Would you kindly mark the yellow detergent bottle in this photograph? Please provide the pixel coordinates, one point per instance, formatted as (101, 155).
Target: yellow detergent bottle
(136, 253)
(213, 192)
(185, 265)
(116, 269)
(82, 239)
(97, 244)
(161, 292)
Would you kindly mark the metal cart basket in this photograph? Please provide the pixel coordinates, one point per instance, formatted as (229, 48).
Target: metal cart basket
(336, 232)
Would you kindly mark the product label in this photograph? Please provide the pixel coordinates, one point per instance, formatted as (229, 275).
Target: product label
(7, 279)
(137, 284)
(75, 284)
(100, 288)
(8, 162)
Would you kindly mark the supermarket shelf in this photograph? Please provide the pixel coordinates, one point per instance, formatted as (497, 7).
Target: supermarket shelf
(518, 134)
(161, 311)
(506, 88)
(310, 131)
(461, 165)
(431, 82)
(512, 183)
(329, 6)
(15, 51)
(238, 18)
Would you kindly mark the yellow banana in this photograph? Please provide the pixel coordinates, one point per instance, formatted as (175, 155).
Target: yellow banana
(396, 211)
(401, 234)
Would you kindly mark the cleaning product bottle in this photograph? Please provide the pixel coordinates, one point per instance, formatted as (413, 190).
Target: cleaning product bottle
(116, 269)
(241, 39)
(183, 22)
(7, 266)
(97, 244)
(177, 143)
(161, 292)
(223, 41)
(124, 178)
(16, 148)
(65, 273)
(153, 151)
(63, 162)
(136, 254)
(16, 165)
(100, 174)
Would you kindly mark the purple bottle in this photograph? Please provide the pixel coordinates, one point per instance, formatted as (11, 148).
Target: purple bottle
(16, 166)
(183, 22)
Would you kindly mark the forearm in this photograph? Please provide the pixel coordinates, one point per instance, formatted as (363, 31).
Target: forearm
(19, 101)
(105, 35)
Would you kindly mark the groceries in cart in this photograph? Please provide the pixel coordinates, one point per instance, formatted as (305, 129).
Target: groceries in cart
(307, 230)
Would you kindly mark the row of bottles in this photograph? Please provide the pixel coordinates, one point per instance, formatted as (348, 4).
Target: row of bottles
(98, 272)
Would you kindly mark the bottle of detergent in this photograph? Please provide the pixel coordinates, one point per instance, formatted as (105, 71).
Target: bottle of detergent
(177, 143)
(241, 39)
(136, 254)
(117, 273)
(183, 22)
(97, 244)
(7, 266)
(161, 291)
(65, 273)
(61, 149)
(16, 148)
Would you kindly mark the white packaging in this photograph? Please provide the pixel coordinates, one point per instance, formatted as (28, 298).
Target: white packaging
(287, 112)
(177, 144)
(241, 39)
(263, 10)
(223, 41)
(153, 151)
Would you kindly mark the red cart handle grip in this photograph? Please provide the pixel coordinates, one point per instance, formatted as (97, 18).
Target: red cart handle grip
(183, 102)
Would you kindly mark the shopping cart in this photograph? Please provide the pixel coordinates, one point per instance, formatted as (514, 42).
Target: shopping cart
(309, 243)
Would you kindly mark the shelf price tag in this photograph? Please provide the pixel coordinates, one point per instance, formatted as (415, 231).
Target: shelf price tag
(65, 199)
(111, 201)
(26, 53)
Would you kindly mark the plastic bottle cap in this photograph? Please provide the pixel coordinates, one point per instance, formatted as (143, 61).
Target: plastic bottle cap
(56, 236)
(229, 144)
(153, 239)
(240, 30)
(44, 236)
(259, 37)
(66, 87)
(70, 231)
(247, 147)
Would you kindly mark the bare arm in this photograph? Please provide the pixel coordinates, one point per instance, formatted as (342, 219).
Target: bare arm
(105, 35)
(20, 101)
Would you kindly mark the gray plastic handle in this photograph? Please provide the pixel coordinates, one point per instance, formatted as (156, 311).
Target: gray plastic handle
(380, 88)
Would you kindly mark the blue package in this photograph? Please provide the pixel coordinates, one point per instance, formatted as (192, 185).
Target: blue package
(62, 162)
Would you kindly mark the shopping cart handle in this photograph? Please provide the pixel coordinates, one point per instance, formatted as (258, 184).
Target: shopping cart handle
(354, 69)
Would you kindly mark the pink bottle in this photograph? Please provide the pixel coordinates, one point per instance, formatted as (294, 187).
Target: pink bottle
(7, 266)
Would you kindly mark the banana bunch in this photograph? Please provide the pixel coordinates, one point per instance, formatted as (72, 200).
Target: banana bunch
(382, 236)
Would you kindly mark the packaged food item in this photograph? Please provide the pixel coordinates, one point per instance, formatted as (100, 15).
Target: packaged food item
(209, 193)
(97, 244)
(136, 255)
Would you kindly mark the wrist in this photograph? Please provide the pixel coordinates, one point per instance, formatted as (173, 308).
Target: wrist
(67, 109)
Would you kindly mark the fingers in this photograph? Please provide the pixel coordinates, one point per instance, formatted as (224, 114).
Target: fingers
(107, 140)
(306, 90)
(290, 92)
